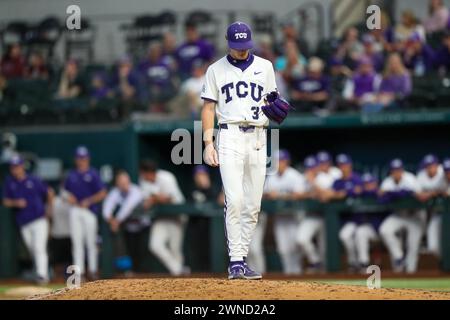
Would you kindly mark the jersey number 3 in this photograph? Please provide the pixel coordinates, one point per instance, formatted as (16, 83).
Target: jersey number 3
(255, 113)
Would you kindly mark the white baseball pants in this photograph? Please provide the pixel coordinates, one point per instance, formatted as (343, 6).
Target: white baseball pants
(242, 163)
(166, 241)
(285, 230)
(83, 232)
(312, 227)
(434, 233)
(35, 236)
(256, 259)
(413, 226)
(356, 241)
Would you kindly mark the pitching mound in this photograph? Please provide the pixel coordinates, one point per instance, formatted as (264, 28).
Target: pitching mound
(210, 289)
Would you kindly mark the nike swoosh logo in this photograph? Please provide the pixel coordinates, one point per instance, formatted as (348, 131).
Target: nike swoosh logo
(255, 73)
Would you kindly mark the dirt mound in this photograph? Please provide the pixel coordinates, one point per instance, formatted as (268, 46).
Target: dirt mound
(211, 289)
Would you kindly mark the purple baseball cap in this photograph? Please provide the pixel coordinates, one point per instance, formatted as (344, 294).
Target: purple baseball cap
(310, 162)
(343, 159)
(429, 159)
(283, 154)
(239, 36)
(82, 152)
(368, 178)
(446, 164)
(396, 164)
(200, 169)
(16, 160)
(323, 156)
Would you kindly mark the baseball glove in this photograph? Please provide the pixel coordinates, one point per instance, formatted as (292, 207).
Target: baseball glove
(276, 108)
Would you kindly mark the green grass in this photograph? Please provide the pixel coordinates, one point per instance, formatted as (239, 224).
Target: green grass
(4, 288)
(433, 284)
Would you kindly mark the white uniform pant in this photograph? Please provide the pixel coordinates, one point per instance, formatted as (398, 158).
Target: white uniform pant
(434, 233)
(166, 243)
(35, 236)
(256, 259)
(285, 230)
(413, 226)
(312, 227)
(356, 240)
(83, 232)
(242, 160)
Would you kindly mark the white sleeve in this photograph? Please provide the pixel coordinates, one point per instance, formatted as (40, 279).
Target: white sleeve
(210, 90)
(169, 186)
(349, 89)
(412, 184)
(133, 199)
(386, 185)
(298, 182)
(271, 82)
(110, 203)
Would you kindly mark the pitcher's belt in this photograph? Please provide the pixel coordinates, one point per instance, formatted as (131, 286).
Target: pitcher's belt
(243, 128)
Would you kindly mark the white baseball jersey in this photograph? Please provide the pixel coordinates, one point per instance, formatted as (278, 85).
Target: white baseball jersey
(407, 182)
(436, 183)
(165, 183)
(290, 181)
(239, 94)
(126, 202)
(325, 180)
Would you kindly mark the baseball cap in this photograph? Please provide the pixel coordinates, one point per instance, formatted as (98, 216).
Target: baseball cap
(368, 178)
(396, 164)
(200, 169)
(310, 162)
(283, 154)
(323, 156)
(446, 164)
(239, 36)
(82, 152)
(343, 159)
(429, 159)
(16, 160)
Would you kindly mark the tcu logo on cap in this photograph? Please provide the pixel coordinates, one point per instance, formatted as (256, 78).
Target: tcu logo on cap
(241, 35)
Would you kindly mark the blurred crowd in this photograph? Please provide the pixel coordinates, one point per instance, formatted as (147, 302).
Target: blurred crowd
(367, 70)
(73, 214)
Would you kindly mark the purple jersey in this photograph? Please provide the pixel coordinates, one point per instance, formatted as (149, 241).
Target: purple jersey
(398, 84)
(84, 185)
(442, 58)
(426, 56)
(348, 184)
(33, 190)
(156, 73)
(311, 85)
(188, 52)
(364, 83)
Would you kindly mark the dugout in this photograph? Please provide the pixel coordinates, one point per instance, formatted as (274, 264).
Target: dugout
(372, 140)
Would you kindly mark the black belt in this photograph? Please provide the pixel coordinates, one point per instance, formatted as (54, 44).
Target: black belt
(250, 128)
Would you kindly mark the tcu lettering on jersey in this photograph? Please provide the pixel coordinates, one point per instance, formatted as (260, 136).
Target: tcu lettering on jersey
(241, 90)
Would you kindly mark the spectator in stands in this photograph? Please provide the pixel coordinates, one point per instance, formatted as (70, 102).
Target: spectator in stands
(99, 88)
(166, 234)
(12, 64)
(401, 184)
(370, 52)
(31, 201)
(384, 36)
(350, 48)
(431, 178)
(37, 67)
(312, 91)
(290, 33)
(438, 16)
(265, 48)
(361, 89)
(442, 57)
(125, 84)
(408, 26)
(119, 205)
(70, 84)
(292, 64)
(192, 49)
(192, 88)
(396, 83)
(85, 193)
(157, 79)
(417, 56)
(169, 48)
